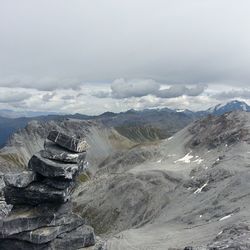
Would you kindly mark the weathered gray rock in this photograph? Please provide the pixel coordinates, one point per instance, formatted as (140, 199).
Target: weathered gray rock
(2, 185)
(29, 218)
(5, 209)
(24, 219)
(42, 217)
(49, 233)
(54, 152)
(68, 142)
(81, 237)
(36, 193)
(59, 183)
(22, 179)
(50, 168)
(12, 244)
(100, 244)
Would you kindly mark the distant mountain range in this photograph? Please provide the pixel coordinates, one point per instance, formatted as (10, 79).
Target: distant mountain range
(147, 124)
(8, 113)
(221, 109)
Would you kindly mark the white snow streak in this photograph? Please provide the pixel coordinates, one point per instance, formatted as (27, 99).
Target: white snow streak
(226, 217)
(186, 159)
(201, 188)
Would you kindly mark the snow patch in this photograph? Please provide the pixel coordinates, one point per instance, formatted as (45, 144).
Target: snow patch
(226, 217)
(172, 155)
(186, 159)
(199, 190)
(199, 161)
(244, 107)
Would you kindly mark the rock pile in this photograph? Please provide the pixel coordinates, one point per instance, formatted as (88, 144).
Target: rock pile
(42, 216)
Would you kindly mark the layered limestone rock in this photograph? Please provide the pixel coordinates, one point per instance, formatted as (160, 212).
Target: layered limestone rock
(67, 142)
(42, 216)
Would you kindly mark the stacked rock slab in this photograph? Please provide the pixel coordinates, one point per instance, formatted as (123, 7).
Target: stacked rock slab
(41, 215)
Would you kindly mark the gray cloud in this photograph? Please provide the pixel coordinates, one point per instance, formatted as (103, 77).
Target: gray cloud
(68, 97)
(48, 96)
(135, 88)
(122, 88)
(56, 44)
(244, 93)
(14, 97)
(179, 90)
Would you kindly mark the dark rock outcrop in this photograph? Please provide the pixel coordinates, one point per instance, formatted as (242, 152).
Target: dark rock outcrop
(42, 216)
(54, 152)
(50, 168)
(36, 193)
(20, 180)
(70, 143)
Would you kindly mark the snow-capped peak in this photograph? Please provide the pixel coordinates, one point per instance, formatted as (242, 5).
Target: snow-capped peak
(228, 107)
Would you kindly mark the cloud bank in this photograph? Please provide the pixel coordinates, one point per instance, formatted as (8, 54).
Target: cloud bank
(122, 88)
(48, 45)
(89, 57)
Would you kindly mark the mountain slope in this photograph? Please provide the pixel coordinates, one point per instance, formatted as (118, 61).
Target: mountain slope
(191, 189)
(186, 194)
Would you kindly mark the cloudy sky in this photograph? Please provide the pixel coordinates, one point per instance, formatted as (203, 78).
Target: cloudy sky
(90, 56)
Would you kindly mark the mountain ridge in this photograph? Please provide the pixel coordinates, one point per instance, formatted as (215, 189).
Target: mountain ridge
(155, 123)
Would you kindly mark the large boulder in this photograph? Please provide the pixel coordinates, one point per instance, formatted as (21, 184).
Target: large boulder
(20, 180)
(5, 209)
(49, 233)
(29, 218)
(59, 183)
(50, 168)
(81, 237)
(36, 193)
(68, 142)
(78, 238)
(54, 152)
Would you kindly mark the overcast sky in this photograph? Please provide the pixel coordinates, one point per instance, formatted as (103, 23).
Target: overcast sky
(91, 56)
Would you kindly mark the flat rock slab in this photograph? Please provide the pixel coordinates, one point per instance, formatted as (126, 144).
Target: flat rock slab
(46, 234)
(24, 219)
(5, 209)
(22, 179)
(30, 218)
(50, 168)
(54, 152)
(81, 237)
(68, 142)
(59, 183)
(36, 193)
(12, 244)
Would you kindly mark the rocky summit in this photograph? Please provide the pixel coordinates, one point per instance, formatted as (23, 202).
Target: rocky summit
(36, 207)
